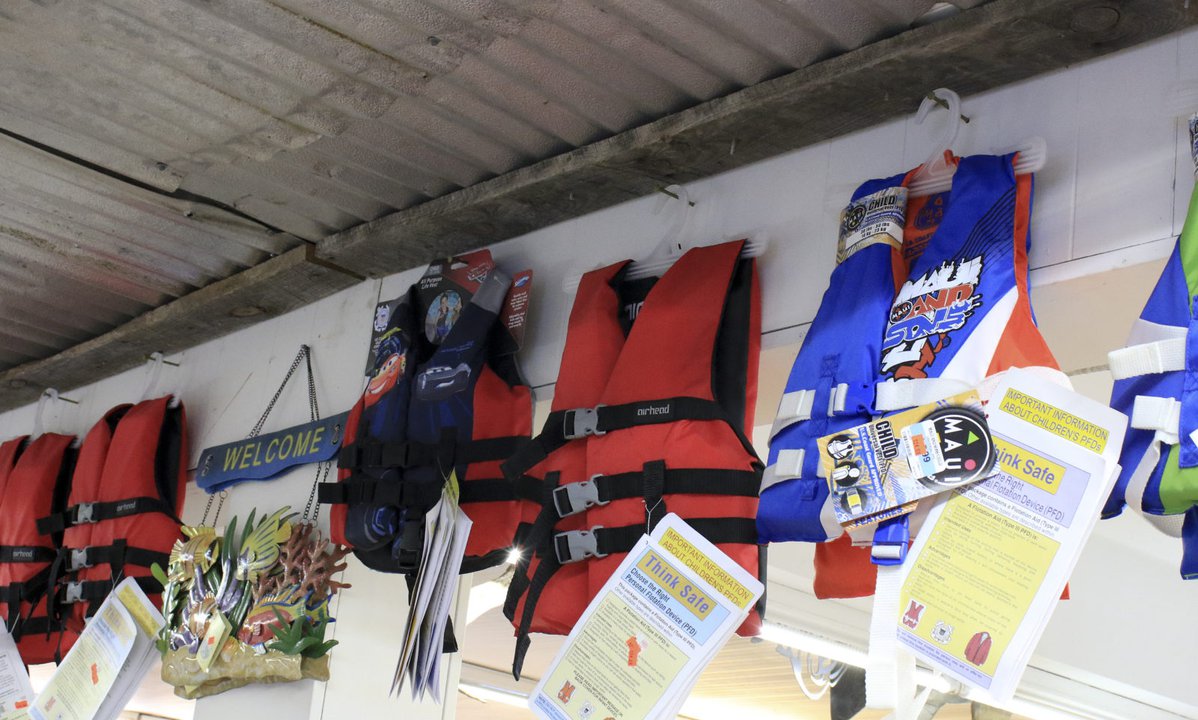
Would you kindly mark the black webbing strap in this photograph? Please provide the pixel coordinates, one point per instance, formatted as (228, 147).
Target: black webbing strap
(94, 591)
(370, 454)
(490, 449)
(355, 490)
(573, 498)
(86, 513)
(373, 454)
(35, 625)
(653, 487)
(487, 490)
(562, 426)
(117, 555)
(25, 554)
(533, 539)
(602, 541)
(27, 590)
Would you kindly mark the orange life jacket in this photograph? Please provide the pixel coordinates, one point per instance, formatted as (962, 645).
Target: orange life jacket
(35, 484)
(122, 512)
(658, 382)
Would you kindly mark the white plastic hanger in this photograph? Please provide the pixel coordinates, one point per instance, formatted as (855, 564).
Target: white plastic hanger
(936, 175)
(674, 244)
(48, 395)
(156, 361)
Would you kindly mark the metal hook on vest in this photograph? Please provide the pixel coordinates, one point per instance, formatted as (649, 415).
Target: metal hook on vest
(48, 395)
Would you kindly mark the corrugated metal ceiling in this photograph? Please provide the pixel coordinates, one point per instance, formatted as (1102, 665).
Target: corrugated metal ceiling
(150, 148)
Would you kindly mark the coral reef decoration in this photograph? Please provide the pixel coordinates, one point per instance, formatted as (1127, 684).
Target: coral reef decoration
(239, 604)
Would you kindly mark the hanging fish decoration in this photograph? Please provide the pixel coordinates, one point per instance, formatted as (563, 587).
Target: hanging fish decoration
(262, 592)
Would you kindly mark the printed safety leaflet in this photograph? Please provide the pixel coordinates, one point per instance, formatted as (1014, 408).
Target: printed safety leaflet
(15, 691)
(99, 675)
(988, 568)
(642, 642)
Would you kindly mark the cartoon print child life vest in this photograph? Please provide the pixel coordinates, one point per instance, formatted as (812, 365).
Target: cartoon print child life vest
(1156, 385)
(430, 409)
(961, 316)
(122, 511)
(831, 384)
(658, 382)
(36, 485)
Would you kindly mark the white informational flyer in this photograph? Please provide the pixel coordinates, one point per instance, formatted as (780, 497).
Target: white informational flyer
(990, 564)
(446, 530)
(99, 675)
(16, 694)
(639, 647)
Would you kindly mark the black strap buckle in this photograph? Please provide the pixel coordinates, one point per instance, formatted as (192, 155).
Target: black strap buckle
(573, 498)
(577, 545)
(581, 422)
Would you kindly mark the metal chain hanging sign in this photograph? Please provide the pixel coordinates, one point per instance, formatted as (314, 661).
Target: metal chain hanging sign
(263, 457)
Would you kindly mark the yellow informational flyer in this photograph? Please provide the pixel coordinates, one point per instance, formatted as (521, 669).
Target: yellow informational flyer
(16, 694)
(108, 661)
(644, 639)
(80, 686)
(989, 566)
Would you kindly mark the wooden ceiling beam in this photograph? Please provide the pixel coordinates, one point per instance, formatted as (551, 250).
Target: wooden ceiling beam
(996, 44)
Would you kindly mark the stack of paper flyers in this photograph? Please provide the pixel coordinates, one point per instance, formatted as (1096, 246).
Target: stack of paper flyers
(879, 470)
(16, 693)
(989, 566)
(446, 529)
(99, 675)
(662, 616)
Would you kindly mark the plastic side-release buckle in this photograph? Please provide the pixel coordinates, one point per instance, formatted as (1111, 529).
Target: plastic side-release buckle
(890, 541)
(573, 498)
(73, 592)
(577, 545)
(79, 559)
(85, 513)
(581, 422)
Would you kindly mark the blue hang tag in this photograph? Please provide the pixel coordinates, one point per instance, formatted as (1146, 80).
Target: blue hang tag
(267, 456)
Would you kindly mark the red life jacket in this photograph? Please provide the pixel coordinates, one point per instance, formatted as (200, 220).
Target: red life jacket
(408, 434)
(657, 383)
(122, 512)
(977, 650)
(36, 485)
(9, 452)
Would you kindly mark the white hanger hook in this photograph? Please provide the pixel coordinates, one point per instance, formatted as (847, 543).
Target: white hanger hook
(48, 395)
(949, 134)
(156, 359)
(671, 244)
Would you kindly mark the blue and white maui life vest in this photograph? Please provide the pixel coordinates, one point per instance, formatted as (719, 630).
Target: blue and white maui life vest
(1156, 385)
(961, 314)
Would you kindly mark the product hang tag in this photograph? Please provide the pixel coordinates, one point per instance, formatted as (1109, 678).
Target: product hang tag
(876, 218)
(879, 469)
(925, 455)
(213, 640)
